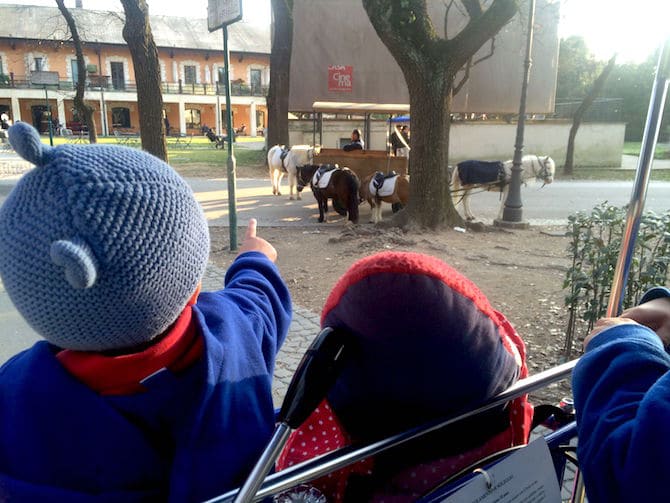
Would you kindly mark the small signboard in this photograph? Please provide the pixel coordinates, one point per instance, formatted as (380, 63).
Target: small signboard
(340, 78)
(44, 78)
(223, 12)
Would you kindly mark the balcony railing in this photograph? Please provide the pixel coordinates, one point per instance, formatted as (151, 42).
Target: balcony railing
(104, 82)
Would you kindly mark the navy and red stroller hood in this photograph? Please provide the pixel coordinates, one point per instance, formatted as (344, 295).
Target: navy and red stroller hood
(428, 345)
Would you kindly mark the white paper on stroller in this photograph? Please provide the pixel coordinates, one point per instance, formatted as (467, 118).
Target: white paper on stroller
(525, 476)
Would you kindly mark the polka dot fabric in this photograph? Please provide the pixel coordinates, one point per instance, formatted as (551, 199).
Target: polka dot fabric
(431, 344)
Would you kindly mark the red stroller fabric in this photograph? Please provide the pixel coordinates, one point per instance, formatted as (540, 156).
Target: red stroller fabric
(428, 345)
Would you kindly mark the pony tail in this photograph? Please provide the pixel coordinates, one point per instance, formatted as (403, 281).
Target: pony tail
(354, 185)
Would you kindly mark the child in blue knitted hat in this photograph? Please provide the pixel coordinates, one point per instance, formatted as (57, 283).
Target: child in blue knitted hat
(143, 390)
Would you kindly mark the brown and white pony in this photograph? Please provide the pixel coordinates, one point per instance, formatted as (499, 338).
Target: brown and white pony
(463, 183)
(329, 181)
(378, 188)
(285, 161)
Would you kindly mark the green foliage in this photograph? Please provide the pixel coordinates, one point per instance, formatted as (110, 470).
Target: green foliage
(595, 243)
(577, 69)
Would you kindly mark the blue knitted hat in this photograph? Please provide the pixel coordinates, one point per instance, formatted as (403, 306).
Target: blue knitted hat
(101, 246)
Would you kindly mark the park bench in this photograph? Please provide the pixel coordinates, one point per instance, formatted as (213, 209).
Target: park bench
(127, 139)
(178, 140)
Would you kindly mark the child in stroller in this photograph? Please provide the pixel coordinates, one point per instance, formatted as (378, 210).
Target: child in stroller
(427, 345)
(219, 141)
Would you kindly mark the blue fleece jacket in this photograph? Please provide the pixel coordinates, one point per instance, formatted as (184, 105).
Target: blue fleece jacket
(621, 389)
(189, 437)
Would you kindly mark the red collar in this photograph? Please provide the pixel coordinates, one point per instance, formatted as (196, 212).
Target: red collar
(122, 375)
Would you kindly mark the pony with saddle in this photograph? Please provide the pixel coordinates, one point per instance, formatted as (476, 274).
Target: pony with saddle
(282, 160)
(329, 181)
(472, 175)
(380, 187)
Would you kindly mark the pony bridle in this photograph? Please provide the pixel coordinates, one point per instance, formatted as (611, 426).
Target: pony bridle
(543, 174)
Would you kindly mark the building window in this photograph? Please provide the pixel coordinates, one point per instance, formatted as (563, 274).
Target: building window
(255, 80)
(38, 64)
(75, 71)
(118, 75)
(189, 74)
(192, 118)
(120, 117)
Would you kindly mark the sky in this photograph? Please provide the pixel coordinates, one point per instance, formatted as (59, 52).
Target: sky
(631, 29)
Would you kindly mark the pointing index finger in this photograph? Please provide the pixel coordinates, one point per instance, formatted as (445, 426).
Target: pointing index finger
(251, 228)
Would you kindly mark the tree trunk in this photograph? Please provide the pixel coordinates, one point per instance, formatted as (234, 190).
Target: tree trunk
(429, 64)
(137, 33)
(430, 200)
(568, 167)
(280, 64)
(83, 109)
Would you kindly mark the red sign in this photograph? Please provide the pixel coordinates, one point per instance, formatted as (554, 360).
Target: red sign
(340, 78)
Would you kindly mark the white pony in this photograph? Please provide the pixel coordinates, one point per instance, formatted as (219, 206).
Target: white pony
(463, 181)
(281, 160)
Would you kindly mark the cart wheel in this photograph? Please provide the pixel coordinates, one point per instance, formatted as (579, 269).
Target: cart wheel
(220, 144)
(396, 207)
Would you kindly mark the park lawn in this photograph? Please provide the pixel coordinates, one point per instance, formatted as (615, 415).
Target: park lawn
(611, 174)
(201, 159)
(633, 148)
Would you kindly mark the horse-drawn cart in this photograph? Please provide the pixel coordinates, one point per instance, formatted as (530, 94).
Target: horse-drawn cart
(362, 162)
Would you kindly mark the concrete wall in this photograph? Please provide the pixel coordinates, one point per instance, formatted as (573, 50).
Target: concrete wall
(597, 144)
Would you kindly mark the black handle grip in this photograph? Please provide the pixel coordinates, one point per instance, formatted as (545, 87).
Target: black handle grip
(317, 372)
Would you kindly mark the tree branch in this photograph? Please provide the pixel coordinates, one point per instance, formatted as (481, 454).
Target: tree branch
(481, 28)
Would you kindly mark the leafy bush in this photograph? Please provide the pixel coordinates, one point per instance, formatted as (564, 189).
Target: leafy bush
(595, 246)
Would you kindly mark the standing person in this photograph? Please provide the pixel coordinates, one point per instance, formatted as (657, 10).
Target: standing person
(144, 389)
(621, 390)
(356, 142)
(167, 125)
(400, 141)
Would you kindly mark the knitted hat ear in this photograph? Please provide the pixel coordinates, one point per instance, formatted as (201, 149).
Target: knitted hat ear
(76, 257)
(26, 141)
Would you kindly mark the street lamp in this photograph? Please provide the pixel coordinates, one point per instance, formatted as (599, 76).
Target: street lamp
(513, 210)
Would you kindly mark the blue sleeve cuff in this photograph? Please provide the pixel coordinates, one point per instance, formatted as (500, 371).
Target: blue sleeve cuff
(628, 332)
(658, 292)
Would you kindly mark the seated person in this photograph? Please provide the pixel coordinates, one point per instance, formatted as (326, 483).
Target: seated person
(144, 389)
(356, 142)
(621, 390)
(427, 345)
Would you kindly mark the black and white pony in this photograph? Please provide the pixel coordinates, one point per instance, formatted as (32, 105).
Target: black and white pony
(285, 161)
(329, 181)
(469, 176)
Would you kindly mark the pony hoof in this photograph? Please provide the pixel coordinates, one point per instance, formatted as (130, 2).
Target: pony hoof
(290, 198)
(299, 198)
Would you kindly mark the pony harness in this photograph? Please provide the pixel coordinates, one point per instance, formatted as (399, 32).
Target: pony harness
(382, 185)
(322, 176)
(481, 172)
(284, 152)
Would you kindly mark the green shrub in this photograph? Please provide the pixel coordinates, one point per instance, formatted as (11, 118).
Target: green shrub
(595, 246)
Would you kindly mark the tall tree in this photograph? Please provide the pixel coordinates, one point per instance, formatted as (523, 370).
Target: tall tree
(84, 110)
(137, 33)
(280, 64)
(590, 97)
(430, 64)
(577, 69)
(632, 82)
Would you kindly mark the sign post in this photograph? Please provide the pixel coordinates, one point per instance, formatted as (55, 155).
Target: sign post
(221, 13)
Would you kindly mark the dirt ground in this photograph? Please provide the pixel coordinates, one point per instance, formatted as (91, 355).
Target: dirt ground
(520, 271)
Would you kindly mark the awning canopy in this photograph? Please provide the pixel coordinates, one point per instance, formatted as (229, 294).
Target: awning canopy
(335, 107)
(400, 118)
